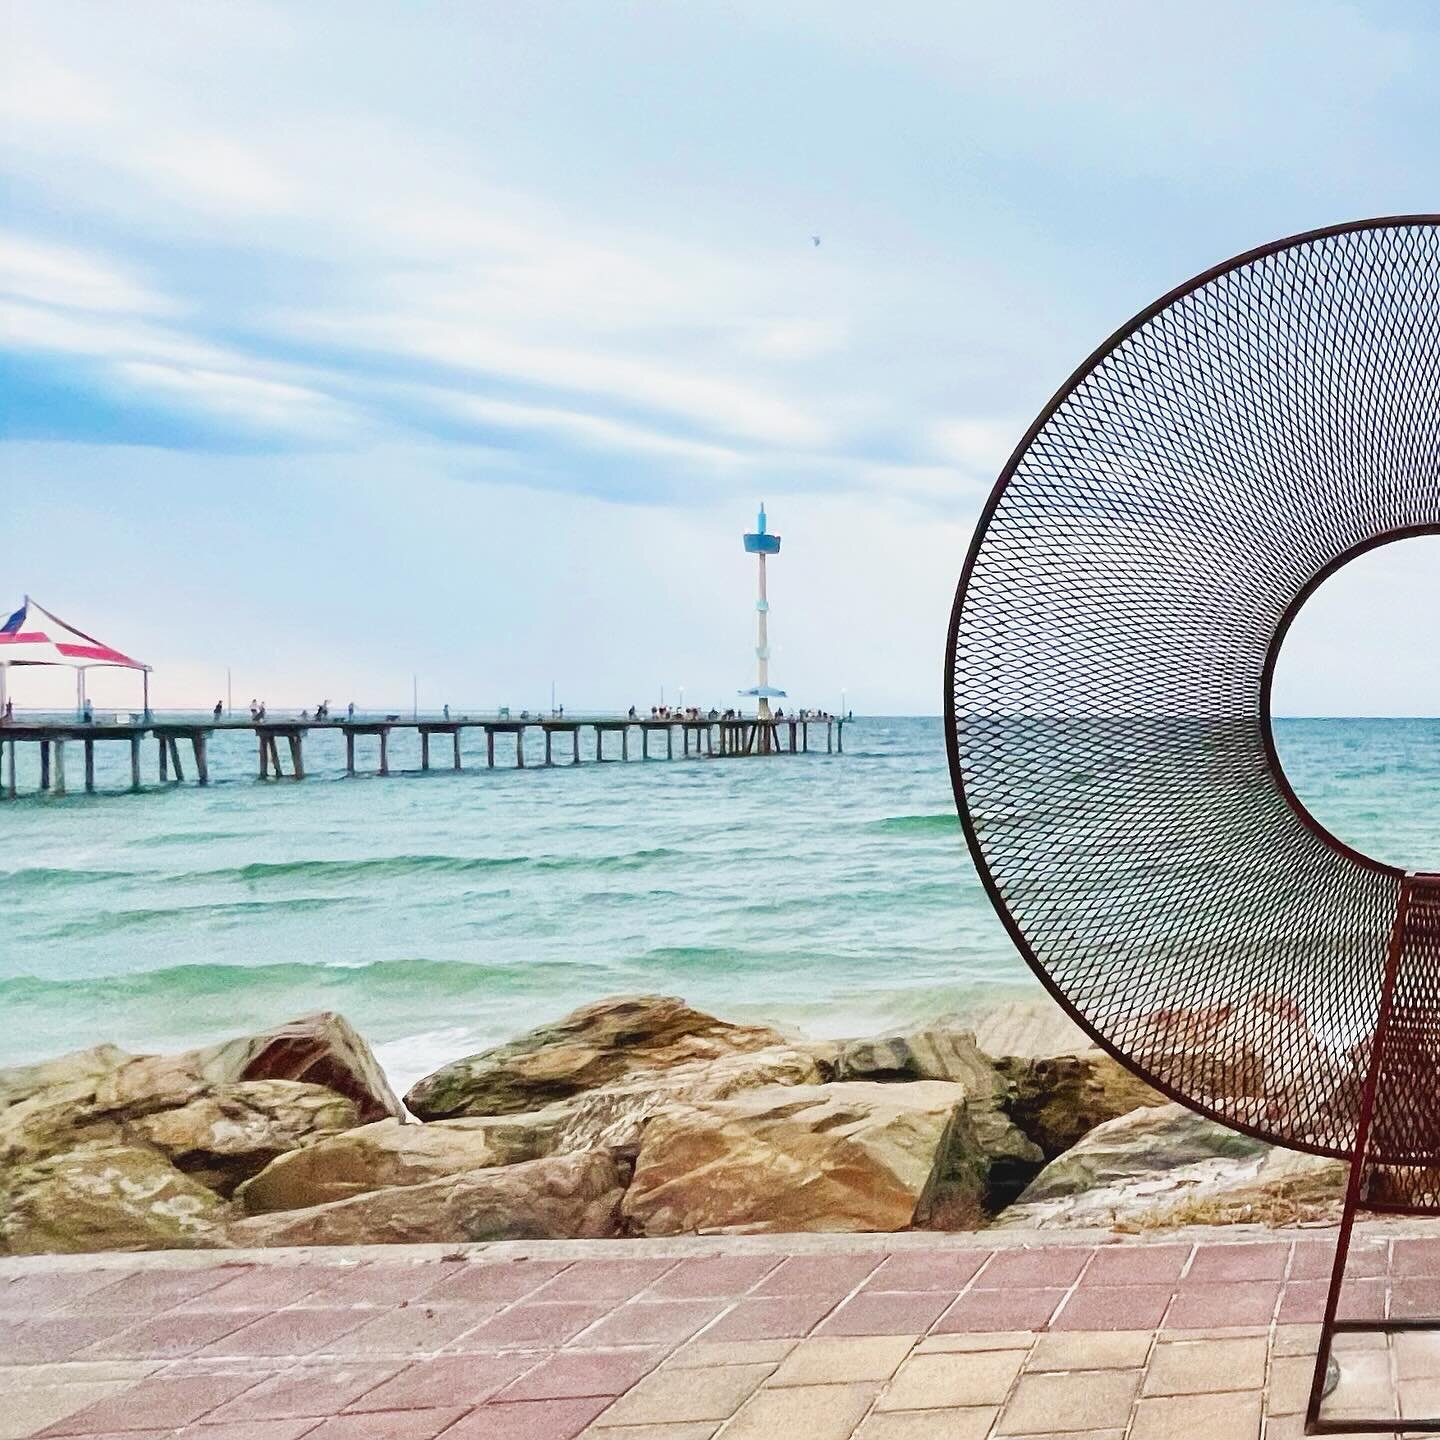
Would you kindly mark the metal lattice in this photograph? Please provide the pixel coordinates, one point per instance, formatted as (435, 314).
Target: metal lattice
(1111, 651)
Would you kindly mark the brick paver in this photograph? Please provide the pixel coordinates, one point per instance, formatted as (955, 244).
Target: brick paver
(869, 1339)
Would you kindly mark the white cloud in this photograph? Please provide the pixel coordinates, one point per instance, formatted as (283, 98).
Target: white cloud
(73, 279)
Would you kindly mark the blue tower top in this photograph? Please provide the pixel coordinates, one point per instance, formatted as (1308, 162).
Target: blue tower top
(762, 542)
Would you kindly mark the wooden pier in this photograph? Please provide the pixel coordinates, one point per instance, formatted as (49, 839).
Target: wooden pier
(181, 740)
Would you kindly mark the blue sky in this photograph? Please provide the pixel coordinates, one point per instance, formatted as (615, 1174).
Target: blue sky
(346, 342)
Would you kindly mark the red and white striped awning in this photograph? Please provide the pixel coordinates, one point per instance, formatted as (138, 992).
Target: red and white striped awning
(33, 636)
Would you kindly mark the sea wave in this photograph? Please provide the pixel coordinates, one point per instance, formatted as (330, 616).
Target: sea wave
(178, 982)
(944, 821)
(45, 877)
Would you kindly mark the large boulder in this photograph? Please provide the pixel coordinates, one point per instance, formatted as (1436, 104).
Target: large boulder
(844, 1157)
(82, 1067)
(615, 1115)
(593, 1046)
(1058, 1099)
(1167, 1166)
(235, 1131)
(947, 1051)
(562, 1196)
(321, 1049)
(106, 1197)
(390, 1152)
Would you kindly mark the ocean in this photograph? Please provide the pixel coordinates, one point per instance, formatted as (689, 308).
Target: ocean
(442, 913)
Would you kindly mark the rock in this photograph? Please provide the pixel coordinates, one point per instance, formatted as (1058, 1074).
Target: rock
(54, 1120)
(614, 1115)
(593, 1046)
(1033, 1027)
(843, 1157)
(946, 1051)
(106, 1197)
(321, 1049)
(559, 1197)
(1167, 1166)
(1058, 1099)
(235, 1131)
(82, 1067)
(390, 1152)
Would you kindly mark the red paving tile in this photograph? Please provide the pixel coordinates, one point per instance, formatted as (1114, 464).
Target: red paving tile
(771, 1317)
(596, 1280)
(640, 1322)
(928, 1270)
(1416, 1257)
(315, 1390)
(532, 1325)
(239, 1430)
(585, 1372)
(403, 1425)
(835, 1275)
(449, 1380)
(411, 1329)
(150, 1292)
(712, 1275)
(158, 1400)
(59, 1337)
(1045, 1268)
(1136, 1265)
(288, 1332)
(494, 1281)
(1113, 1307)
(380, 1283)
(1203, 1307)
(263, 1287)
(26, 1295)
(881, 1313)
(1263, 1261)
(1413, 1298)
(1015, 1309)
(168, 1336)
(1303, 1301)
(530, 1420)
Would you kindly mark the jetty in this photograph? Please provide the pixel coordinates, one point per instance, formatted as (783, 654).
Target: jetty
(182, 741)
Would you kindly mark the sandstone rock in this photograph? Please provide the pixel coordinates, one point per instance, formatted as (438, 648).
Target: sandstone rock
(555, 1198)
(593, 1046)
(235, 1131)
(106, 1197)
(1058, 1099)
(614, 1115)
(843, 1157)
(1164, 1166)
(321, 1049)
(947, 1051)
(53, 1120)
(82, 1067)
(390, 1152)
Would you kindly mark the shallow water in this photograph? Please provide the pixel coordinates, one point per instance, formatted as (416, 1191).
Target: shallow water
(444, 912)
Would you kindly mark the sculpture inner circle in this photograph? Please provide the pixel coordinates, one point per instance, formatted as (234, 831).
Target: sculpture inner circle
(1111, 651)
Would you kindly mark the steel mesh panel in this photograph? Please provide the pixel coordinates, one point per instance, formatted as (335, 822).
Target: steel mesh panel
(1110, 653)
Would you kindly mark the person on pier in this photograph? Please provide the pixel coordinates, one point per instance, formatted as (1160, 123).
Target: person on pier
(219, 709)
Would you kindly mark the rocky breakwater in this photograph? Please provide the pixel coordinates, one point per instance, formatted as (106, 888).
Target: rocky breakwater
(637, 1115)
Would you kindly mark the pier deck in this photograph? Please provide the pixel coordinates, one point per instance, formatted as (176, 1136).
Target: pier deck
(697, 738)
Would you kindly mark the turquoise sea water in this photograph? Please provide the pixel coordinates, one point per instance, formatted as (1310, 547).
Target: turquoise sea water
(445, 912)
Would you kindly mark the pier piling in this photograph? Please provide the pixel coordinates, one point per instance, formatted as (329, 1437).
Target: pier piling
(731, 737)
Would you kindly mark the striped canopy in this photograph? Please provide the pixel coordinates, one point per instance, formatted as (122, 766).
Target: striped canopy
(33, 636)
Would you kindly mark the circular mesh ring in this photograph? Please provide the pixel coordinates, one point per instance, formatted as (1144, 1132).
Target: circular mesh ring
(1110, 653)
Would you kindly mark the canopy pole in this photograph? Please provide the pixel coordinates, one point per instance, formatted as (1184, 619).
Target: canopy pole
(4, 675)
(145, 674)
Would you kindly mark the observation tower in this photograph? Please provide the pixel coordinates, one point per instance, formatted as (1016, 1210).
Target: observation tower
(760, 544)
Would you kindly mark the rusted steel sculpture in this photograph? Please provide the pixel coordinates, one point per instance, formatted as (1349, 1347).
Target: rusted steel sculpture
(1109, 666)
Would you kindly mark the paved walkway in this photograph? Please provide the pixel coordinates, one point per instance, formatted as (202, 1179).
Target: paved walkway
(879, 1338)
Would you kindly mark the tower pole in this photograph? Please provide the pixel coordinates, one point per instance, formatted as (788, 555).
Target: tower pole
(762, 647)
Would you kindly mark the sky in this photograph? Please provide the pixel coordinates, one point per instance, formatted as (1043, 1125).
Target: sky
(352, 346)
